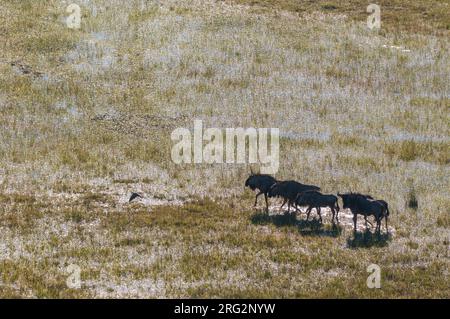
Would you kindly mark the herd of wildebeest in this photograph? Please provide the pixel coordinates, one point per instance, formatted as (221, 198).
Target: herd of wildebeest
(298, 195)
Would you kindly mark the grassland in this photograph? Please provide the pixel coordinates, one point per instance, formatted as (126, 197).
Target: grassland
(86, 117)
(426, 16)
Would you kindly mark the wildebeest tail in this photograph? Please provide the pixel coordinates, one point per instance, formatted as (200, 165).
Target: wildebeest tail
(386, 207)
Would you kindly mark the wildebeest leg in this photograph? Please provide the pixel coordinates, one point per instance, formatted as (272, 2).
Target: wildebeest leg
(267, 203)
(318, 212)
(308, 211)
(367, 221)
(387, 229)
(355, 218)
(284, 202)
(297, 209)
(333, 212)
(256, 199)
(337, 214)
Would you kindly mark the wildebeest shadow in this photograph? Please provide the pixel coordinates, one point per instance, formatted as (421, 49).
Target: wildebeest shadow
(306, 228)
(261, 218)
(315, 228)
(368, 239)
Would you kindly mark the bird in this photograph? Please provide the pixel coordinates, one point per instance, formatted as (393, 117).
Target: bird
(133, 196)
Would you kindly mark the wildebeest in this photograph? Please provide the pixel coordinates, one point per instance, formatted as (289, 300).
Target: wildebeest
(288, 190)
(262, 183)
(315, 199)
(365, 205)
(386, 212)
(365, 216)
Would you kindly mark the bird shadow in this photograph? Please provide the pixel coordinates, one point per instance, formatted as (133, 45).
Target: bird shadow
(367, 239)
(311, 227)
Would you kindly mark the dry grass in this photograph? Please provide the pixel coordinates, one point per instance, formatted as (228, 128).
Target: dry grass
(86, 117)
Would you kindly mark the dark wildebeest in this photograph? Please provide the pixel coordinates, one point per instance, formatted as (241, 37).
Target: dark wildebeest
(386, 212)
(288, 190)
(262, 183)
(382, 202)
(365, 216)
(365, 205)
(315, 199)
